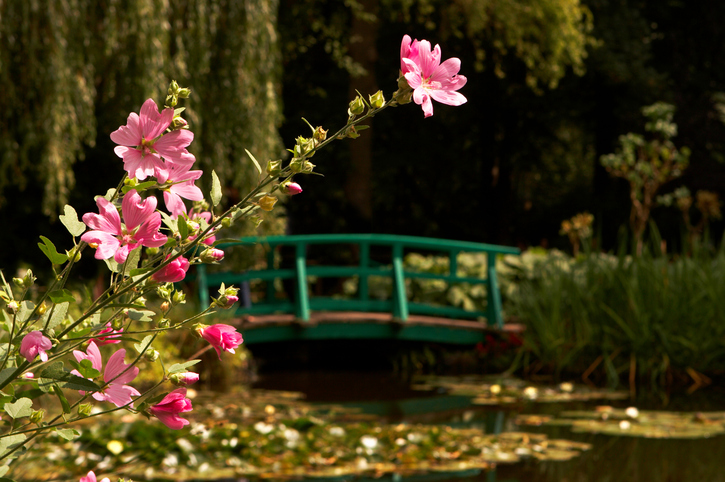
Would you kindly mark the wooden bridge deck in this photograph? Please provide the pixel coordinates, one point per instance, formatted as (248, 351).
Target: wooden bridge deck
(364, 325)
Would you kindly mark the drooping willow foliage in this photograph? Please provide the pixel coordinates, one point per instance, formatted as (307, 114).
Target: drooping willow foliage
(72, 70)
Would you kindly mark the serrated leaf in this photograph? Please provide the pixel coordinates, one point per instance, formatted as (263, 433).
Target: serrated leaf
(71, 222)
(56, 373)
(141, 315)
(133, 259)
(63, 401)
(256, 163)
(21, 408)
(61, 296)
(67, 433)
(48, 248)
(181, 367)
(144, 344)
(216, 189)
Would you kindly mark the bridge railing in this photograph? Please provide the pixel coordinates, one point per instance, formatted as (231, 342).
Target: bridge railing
(301, 303)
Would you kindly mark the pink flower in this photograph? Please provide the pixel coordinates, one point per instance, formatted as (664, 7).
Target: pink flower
(112, 238)
(34, 344)
(91, 477)
(291, 188)
(113, 338)
(185, 188)
(141, 143)
(116, 376)
(172, 272)
(206, 216)
(429, 78)
(221, 337)
(168, 409)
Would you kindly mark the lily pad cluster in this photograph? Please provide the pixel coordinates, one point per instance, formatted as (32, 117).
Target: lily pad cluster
(631, 422)
(506, 390)
(266, 434)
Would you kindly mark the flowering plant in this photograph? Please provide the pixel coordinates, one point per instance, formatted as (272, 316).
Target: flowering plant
(46, 352)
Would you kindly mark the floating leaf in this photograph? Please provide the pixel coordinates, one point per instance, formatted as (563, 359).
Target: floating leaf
(48, 248)
(71, 222)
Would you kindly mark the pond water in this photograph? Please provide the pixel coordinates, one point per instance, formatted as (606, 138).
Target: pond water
(615, 458)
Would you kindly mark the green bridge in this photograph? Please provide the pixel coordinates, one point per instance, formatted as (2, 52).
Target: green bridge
(302, 316)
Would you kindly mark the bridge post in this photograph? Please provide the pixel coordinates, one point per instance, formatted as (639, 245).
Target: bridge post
(302, 302)
(400, 300)
(493, 308)
(203, 286)
(363, 291)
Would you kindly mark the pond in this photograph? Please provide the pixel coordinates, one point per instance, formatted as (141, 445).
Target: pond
(622, 458)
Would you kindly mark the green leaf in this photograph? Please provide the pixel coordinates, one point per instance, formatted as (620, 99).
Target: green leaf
(71, 222)
(85, 368)
(63, 401)
(5, 374)
(133, 259)
(216, 189)
(144, 345)
(181, 367)
(26, 309)
(60, 296)
(256, 164)
(54, 316)
(48, 248)
(183, 229)
(141, 187)
(19, 409)
(141, 315)
(4, 470)
(10, 442)
(112, 265)
(110, 193)
(67, 433)
(57, 373)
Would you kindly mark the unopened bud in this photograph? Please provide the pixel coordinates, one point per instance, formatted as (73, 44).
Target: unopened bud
(163, 323)
(173, 87)
(37, 416)
(152, 251)
(320, 134)
(84, 410)
(226, 301)
(130, 182)
(184, 379)
(151, 355)
(178, 298)
(179, 123)
(226, 222)
(184, 93)
(212, 255)
(164, 291)
(267, 202)
(274, 168)
(165, 306)
(74, 254)
(357, 106)
(117, 323)
(18, 282)
(42, 308)
(377, 100)
(290, 188)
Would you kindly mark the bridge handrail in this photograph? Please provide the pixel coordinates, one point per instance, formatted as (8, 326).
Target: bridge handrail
(399, 305)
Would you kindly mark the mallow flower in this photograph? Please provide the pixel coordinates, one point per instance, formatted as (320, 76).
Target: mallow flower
(111, 238)
(172, 272)
(116, 375)
(428, 77)
(91, 477)
(34, 344)
(108, 336)
(169, 408)
(142, 145)
(183, 188)
(221, 337)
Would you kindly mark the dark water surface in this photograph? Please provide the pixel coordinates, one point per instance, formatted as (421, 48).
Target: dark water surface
(620, 459)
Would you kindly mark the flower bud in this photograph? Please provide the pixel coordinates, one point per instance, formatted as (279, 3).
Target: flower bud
(152, 251)
(320, 134)
(163, 323)
(377, 100)
(212, 255)
(74, 254)
(42, 308)
(37, 416)
(184, 379)
(84, 410)
(165, 306)
(184, 93)
(267, 202)
(179, 123)
(274, 168)
(351, 133)
(226, 222)
(290, 188)
(357, 106)
(151, 355)
(18, 282)
(130, 182)
(164, 291)
(173, 87)
(117, 323)
(226, 301)
(178, 298)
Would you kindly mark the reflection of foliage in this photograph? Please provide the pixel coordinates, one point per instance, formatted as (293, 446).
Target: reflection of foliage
(646, 165)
